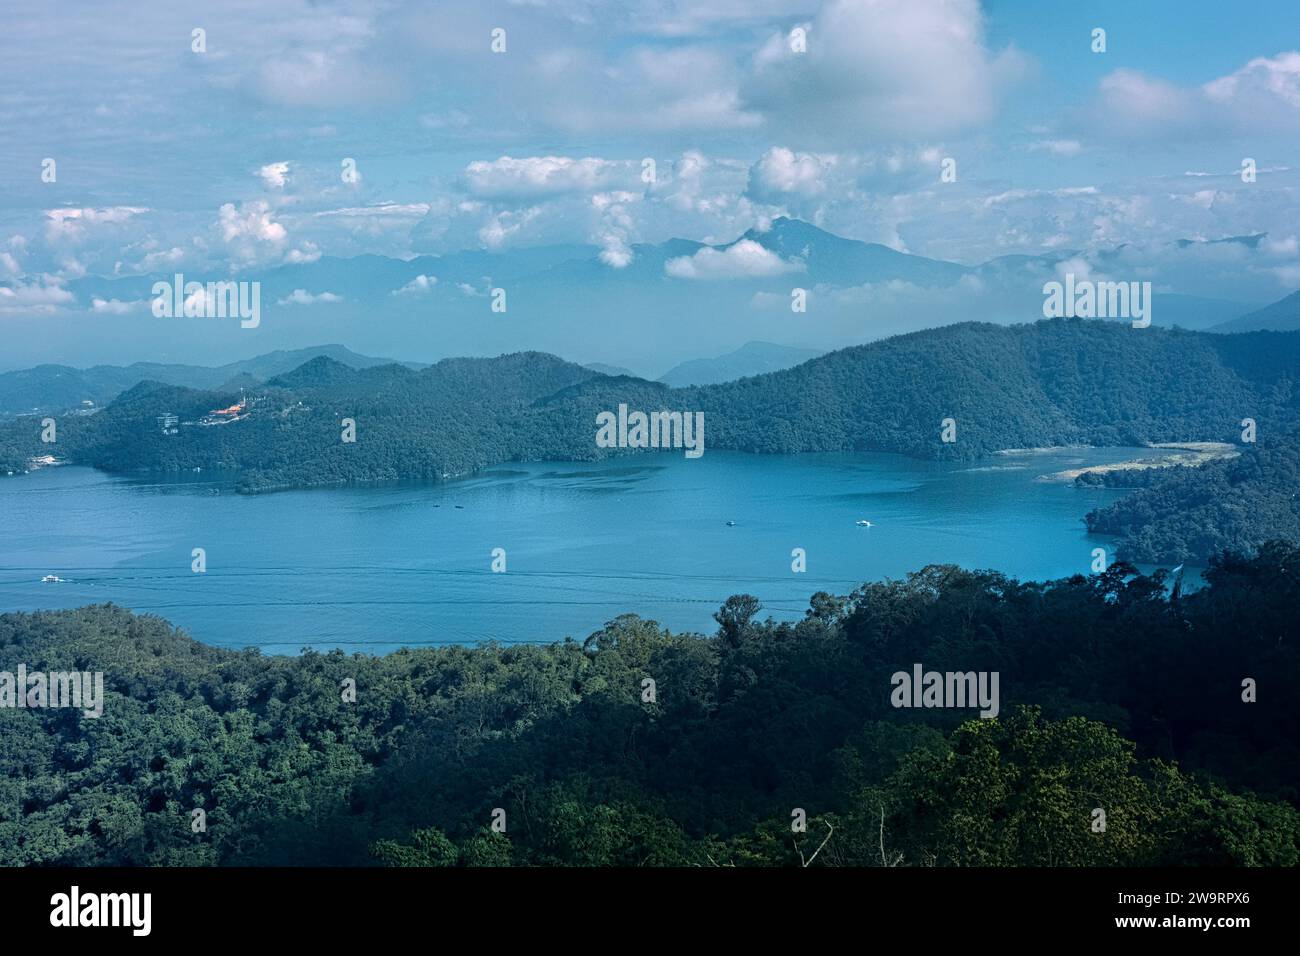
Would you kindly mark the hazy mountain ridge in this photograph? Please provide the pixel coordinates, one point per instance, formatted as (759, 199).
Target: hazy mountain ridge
(56, 388)
(752, 358)
(857, 291)
(1281, 316)
(611, 370)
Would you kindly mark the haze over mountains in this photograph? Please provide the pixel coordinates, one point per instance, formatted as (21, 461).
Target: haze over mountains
(752, 358)
(1280, 316)
(671, 302)
(59, 388)
(55, 388)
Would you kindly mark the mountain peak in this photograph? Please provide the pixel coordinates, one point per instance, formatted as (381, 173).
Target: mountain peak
(785, 229)
(321, 370)
(1280, 316)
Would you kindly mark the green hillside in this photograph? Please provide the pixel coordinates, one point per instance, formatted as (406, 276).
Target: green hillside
(1111, 695)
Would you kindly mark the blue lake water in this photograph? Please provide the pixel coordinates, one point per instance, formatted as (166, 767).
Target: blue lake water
(374, 568)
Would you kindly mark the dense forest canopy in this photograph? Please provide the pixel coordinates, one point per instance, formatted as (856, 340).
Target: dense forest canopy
(1115, 696)
(1054, 382)
(1182, 514)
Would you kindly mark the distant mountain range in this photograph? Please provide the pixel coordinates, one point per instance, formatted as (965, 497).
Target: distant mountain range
(59, 388)
(752, 358)
(56, 388)
(1048, 383)
(1281, 316)
(672, 302)
(614, 370)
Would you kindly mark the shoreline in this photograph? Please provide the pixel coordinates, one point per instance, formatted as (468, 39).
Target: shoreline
(1187, 454)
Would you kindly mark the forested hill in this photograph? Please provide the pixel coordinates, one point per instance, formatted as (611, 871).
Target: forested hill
(52, 389)
(1050, 383)
(1140, 712)
(1186, 514)
(1064, 381)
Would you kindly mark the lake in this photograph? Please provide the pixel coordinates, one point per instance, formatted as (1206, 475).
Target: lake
(377, 567)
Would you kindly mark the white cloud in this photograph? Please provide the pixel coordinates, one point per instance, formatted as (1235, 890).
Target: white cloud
(250, 221)
(1136, 103)
(533, 176)
(616, 253)
(317, 78)
(745, 259)
(70, 267)
(307, 253)
(1057, 147)
(1262, 79)
(679, 18)
(502, 226)
(420, 285)
(43, 295)
(71, 223)
(1080, 268)
(156, 260)
(116, 306)
(274, 175)
(1288, 276)
(648, 89)
(780, 172)
(250, 231)
(1016, 195)
(897, 67)
(303, 297)
(1204, 198)
(453, 119)
(381, 210)
(1236, 173)
(1263, 95)
(202, 301)
(685, 190)
(615, 227)
(1287, 246)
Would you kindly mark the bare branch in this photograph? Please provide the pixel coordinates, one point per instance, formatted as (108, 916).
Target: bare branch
(819, 849)
(884, 860)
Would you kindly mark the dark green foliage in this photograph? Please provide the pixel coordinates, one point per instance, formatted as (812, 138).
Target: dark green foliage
(1058, 382)
(1051, 383)
(1135, 704)
(1187, 514)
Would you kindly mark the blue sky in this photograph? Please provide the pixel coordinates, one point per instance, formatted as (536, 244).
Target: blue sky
(228, 161)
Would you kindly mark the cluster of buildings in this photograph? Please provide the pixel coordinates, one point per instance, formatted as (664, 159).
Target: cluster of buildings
(168, 423)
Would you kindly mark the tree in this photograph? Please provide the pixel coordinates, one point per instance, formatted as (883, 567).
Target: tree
(734, 618)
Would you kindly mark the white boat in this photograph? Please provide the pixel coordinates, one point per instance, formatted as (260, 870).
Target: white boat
(51, 579)
(864, 523)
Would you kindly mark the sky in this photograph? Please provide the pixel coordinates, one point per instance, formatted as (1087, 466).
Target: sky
(231, 152)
